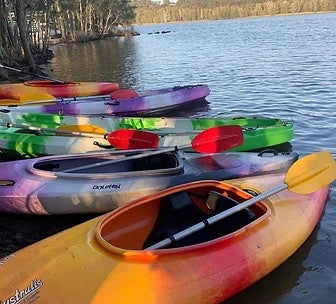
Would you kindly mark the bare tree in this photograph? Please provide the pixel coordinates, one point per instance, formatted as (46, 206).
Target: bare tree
(21, 22)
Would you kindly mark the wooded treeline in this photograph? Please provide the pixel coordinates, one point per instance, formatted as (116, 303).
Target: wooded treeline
(26, 26)
(190, 10)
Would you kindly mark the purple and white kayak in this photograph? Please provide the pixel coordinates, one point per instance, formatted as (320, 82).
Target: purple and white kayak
(94, 182)
(142, 103)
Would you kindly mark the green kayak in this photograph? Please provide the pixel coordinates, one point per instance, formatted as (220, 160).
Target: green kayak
(17, 138)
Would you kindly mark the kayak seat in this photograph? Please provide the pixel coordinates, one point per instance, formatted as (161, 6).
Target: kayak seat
(218, 203)
(178, 212)
(164, 161)
(47, 166)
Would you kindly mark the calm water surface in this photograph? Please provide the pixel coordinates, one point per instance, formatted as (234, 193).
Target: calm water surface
(281, 67)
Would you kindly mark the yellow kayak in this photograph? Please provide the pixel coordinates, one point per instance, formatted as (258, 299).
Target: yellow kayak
(18, 93)
(109, 260)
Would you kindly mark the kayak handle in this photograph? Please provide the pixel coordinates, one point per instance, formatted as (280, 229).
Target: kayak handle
(268, 151)
(113, 103)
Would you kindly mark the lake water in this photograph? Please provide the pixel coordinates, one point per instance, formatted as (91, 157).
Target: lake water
(282, 67)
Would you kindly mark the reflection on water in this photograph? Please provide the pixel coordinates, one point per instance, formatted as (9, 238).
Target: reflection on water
(194, 109)
(117, 57)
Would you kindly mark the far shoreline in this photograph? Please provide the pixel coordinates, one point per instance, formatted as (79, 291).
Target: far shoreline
(247, 17)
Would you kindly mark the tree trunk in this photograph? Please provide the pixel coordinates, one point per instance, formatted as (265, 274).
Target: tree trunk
(86, 16)
(5, 29)
(106, 24)
(46, 31)
(12, 30)
(60, 20)
(73, 29)
(81, 16)
(111, 23)
(20, 18)
(90, 19)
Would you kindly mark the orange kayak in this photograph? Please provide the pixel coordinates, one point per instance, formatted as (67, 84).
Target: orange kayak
(17, 91)
(105, 260)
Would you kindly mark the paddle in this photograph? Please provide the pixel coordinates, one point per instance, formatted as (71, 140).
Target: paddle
(28, 73)
(99, 130)
(306, 175)
(211, 140)
(121, 139)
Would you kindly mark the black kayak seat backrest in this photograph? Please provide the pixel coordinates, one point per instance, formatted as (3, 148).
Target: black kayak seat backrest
(47, 166)
(178, 212)
(156, 162)
(231, 223)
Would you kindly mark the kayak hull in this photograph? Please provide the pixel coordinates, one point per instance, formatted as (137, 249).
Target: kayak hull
(146, 102)
(18, 144)
(258, 132)
(87, 255)
(67, 89)
(39, 186)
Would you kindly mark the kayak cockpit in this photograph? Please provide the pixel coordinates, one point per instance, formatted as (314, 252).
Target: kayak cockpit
(165, 163)
(147, 222)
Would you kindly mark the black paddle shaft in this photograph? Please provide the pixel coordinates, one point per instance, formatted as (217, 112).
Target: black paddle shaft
(32, 74)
